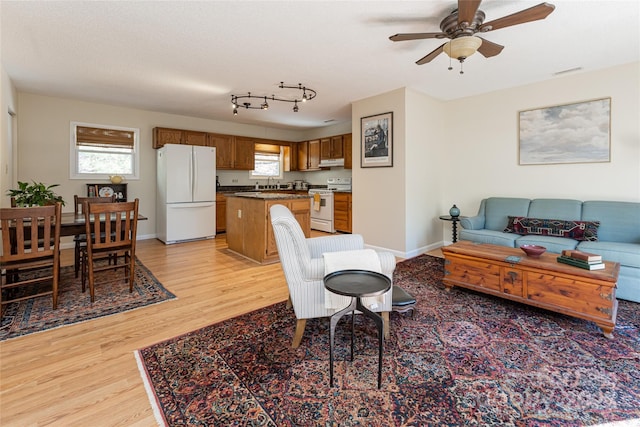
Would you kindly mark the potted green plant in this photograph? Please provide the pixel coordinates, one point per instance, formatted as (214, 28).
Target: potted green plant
(36, 194)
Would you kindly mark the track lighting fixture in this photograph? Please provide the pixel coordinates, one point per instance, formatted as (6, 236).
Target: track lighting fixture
(307, 95)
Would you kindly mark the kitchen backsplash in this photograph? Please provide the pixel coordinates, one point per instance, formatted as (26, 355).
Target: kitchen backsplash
(233, 178)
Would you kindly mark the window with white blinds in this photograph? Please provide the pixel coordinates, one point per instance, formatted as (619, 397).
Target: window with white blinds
(99, 151)
(268, 162)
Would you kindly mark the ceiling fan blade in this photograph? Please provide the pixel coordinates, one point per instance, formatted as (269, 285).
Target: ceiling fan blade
(431, 55)
(416, 36)
(467, 10)
(534, 13)
(489, 49)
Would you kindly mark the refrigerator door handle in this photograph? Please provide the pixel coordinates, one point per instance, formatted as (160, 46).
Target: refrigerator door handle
(191, 174)
(194, 187)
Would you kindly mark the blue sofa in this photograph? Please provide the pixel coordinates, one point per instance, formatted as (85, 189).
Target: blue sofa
(618, 233)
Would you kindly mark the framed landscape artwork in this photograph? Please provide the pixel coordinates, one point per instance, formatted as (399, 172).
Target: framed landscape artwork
(376, 149)
(569, 133)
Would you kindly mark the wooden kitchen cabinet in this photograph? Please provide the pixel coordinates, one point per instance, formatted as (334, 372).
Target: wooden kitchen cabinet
(221, 213)
(331, 148)
(303, 155)
(233, 152)
(249, 230)
(244, 153)
(191, 137)
(162, 136)
(224, 149)
(342, 212)
(290, 161)
(309, 155)
(347, 151)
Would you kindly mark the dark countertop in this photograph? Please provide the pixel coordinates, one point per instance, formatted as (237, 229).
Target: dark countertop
(268, 195)
(239, 188)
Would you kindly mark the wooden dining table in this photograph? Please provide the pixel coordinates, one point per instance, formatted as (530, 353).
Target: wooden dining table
(72, 224)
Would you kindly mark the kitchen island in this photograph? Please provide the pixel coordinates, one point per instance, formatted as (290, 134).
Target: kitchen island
(249, 230)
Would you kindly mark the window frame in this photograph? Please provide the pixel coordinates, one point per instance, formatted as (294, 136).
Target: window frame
(74, 149)
(280, 168)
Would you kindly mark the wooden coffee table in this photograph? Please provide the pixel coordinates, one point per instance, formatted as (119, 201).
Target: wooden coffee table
(539, 281)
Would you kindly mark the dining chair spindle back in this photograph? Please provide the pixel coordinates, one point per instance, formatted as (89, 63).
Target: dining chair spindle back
(111, 235)
(30, 254)
(80, 240)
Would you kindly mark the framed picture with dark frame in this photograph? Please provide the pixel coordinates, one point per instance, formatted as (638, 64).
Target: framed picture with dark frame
(376, 148)
(568, 133)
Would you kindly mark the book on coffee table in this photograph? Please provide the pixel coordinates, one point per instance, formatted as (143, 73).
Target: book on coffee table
(583, 256)
(581, 264)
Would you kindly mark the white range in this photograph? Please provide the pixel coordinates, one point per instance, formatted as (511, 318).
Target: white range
(322, 204)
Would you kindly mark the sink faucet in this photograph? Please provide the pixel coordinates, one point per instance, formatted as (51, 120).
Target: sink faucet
(268, 182)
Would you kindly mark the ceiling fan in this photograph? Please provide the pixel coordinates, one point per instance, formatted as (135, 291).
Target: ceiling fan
(462, 25)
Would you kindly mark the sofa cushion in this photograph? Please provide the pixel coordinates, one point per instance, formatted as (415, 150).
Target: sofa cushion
(577, 230)
(497, 208)
(625, 253)
(555, 208)
(489, 236)
(619, 221)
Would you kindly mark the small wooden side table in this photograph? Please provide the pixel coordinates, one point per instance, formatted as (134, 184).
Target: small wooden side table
(454, 220)
(356, 284)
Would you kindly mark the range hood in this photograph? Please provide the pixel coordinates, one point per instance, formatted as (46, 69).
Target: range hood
(327, 163)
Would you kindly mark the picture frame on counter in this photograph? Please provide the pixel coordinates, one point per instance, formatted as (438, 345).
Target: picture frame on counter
(376, 148)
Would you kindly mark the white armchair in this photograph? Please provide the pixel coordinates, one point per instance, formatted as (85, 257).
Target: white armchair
(303, 265)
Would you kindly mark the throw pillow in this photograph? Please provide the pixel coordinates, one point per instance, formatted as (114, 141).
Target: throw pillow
(577, 230)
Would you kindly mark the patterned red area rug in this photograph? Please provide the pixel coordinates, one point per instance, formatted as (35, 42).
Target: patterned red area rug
(36, 314)
(466, 359)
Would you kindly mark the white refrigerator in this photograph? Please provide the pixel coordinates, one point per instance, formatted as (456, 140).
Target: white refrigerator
(186, 193)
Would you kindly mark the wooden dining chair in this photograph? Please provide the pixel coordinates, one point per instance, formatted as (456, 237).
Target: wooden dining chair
(30, 255)
(80, 240)
(111, 230)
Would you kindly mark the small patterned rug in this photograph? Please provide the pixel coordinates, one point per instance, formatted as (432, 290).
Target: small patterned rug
(466, 359)
(112, 296)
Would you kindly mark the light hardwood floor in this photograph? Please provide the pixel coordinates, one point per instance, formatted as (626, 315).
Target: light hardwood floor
(86, 374)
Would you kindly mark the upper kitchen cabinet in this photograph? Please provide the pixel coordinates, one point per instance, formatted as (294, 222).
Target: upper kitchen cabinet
(309, 155)
(233, 152)
(244, 152)
(290, 160)
(347, 148)
(162, 136)
(331, 148)
(191, 137)
(224, 149)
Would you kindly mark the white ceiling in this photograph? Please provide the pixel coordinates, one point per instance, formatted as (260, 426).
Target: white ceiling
(187, 58)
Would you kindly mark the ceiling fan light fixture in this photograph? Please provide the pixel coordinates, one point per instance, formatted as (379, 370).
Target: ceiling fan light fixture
(462, 47)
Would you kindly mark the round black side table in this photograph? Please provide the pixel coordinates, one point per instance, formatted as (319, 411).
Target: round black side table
(356, 284)
(454, 220)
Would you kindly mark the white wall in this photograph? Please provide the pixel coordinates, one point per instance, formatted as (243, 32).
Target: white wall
(427, 163)
(379, 198)
(482, 134)
(8, 97)
(465, 150)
